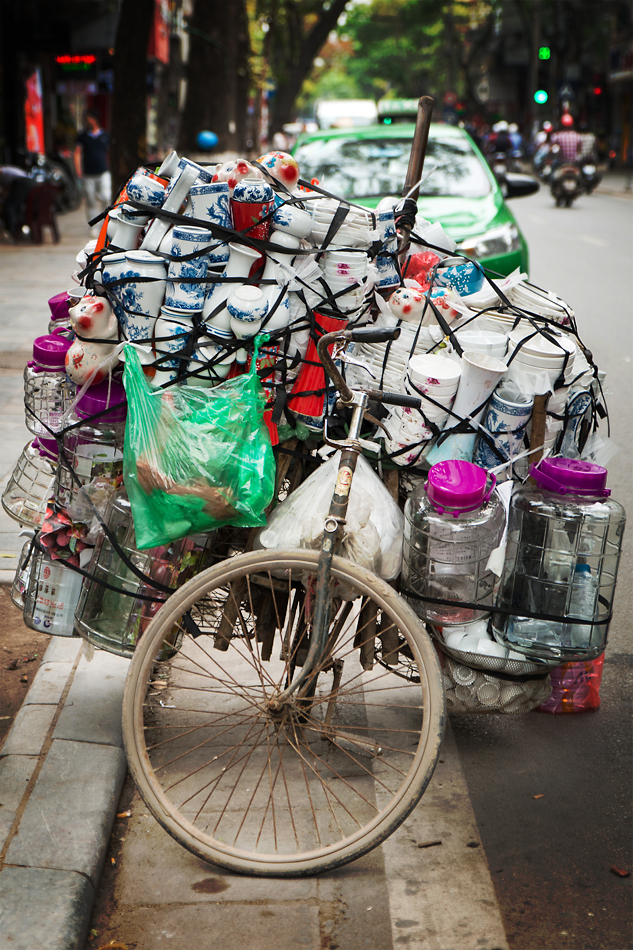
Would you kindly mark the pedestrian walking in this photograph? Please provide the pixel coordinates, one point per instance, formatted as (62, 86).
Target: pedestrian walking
(91, 164)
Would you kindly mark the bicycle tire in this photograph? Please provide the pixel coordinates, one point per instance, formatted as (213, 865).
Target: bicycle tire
(379, 747)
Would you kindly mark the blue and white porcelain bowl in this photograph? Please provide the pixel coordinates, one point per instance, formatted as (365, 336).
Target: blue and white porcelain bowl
(146, 189)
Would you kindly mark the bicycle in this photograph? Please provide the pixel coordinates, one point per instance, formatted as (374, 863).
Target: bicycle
(299, 719)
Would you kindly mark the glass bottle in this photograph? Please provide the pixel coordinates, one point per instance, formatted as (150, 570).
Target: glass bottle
(32, 483)
(52, 595)
(48, 391)
(114, 621)
(95, 448)
(451, 526)
(564, 542)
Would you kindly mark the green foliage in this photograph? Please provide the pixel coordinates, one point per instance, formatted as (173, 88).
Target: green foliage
(413, 47)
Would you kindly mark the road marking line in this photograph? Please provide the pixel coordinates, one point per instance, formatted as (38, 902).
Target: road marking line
(442, 898)
(598, 242)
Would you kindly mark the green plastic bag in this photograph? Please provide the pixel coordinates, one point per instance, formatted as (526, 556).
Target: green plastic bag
(195, 459)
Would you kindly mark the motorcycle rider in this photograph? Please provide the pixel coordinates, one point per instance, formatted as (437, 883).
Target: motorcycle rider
(568, 140)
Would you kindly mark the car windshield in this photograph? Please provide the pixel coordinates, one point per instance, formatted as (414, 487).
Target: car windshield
(364, 168)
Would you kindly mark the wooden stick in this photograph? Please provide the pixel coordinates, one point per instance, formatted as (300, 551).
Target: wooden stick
(539, 419)
(416, 160)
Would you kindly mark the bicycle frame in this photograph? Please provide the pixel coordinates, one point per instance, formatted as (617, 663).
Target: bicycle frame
(336, 518)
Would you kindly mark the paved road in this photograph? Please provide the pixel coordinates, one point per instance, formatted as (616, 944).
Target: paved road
(550, 857)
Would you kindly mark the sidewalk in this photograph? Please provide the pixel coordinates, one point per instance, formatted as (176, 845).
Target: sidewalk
(62, 765)
(617, 183)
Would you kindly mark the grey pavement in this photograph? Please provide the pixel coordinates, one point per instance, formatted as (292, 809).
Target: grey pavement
(59, 788)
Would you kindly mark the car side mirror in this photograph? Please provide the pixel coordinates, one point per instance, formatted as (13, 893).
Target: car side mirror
(520, 186)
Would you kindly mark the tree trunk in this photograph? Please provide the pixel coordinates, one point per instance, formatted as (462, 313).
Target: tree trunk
(217, 75)
(291, 61)
(129, 102)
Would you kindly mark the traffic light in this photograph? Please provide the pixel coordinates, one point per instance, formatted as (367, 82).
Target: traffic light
(544, 52)
(540, 96)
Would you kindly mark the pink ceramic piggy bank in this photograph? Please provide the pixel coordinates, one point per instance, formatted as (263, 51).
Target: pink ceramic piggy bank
(93, 317)
(281, 166)
(88, 361)
(407, 304)
(233, 172)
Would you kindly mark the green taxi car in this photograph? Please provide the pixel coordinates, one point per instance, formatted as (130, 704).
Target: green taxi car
(365, 164)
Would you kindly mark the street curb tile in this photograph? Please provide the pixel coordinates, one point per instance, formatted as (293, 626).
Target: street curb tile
(15, 771)
(49, 683)
(44, 908)
(92, 712)
(62, 648)
(67, 822)
(29, 730)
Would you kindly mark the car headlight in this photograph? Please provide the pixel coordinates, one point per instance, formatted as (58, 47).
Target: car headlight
(501, 240)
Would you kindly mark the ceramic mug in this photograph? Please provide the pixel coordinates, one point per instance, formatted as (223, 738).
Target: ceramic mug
(506, 419)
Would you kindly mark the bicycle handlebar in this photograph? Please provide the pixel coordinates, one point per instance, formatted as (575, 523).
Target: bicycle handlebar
(359, 335)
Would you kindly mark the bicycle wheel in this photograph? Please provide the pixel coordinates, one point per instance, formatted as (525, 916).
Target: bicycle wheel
(282, 790)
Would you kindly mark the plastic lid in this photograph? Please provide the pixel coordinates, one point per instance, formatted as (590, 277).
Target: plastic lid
(95, 399)
(47, 447)
(50, 350)
(571, 477)
(582, 569)
(58, 306)
(457, 484)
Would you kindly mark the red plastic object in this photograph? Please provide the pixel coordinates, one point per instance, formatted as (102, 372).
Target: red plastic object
(312, 375)
(575, 687)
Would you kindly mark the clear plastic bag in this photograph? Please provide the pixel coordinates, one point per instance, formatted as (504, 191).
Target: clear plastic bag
(373, 532)
(575, 687)
(473, 691)
(195, 459)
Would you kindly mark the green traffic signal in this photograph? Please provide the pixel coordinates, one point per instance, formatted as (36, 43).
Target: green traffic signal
(544, 52)
(540, 96)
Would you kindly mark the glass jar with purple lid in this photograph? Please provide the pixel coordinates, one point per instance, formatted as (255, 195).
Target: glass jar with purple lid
(452, 524)
(94, 447)
(564, 542)
(32, 483)
(48, 391)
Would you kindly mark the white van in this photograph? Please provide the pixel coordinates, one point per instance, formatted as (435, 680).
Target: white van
(345, 113)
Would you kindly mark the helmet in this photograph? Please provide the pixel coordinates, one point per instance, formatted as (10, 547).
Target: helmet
(567, 120)
(500, 126)
(547, 126)
(513, 127)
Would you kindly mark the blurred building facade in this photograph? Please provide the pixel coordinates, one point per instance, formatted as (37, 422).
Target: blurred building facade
(62, 51)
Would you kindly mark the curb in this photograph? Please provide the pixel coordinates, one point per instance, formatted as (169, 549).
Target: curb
(62, 768)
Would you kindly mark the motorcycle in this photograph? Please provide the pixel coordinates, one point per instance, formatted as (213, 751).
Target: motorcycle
(59, 172)
(499, 166)
(566, 184)
(591, 177)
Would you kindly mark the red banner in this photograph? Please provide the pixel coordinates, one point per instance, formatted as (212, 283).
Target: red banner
(34, 113)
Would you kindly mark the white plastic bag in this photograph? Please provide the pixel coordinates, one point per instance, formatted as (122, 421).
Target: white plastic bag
(372, 535)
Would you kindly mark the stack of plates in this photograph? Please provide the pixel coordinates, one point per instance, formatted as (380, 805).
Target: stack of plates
(543, 302)
(483, 341)
(354, 232)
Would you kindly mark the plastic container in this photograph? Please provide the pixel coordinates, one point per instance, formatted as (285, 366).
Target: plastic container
(48, 392)
(32, 483)
(564, 542)
(113, 621)
(94, 449)
(451, 526)
(52, 595)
